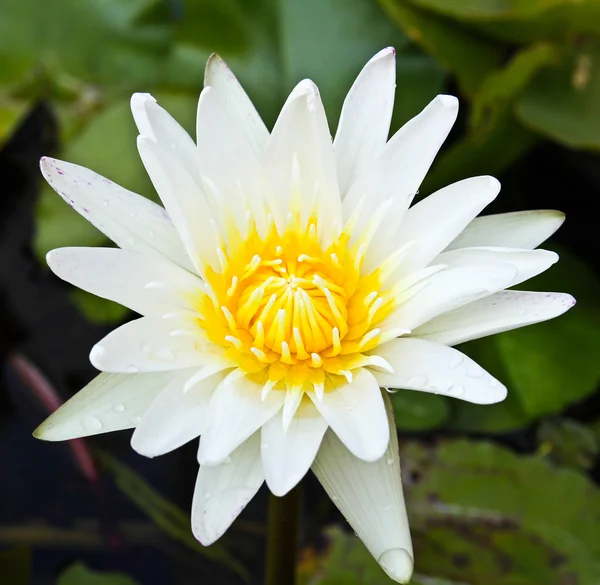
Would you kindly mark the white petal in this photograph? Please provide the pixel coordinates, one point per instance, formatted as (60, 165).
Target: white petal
(228, 161)
(235, 412)
(288, 455)
(447, 290)
(145, 345)
(130, 220)
(145, 284)
(157, 124)
(301, 136)
(439, 218)
(520, 229)
(175, 417)
(499, 312)
(356, 414)
(431, 367)
(222, 492)
(185, 202)
(528, 263)
(110, 402)
(369, 495)
(365, 119)
(238, 104)
(402, 165)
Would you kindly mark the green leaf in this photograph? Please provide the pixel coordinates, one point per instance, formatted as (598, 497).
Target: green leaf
(481, 514)
(166, 515)
(467, 55)
(97, 42)
(489, 9)
(15, 565)
(80, 574)
(561, 23)
(501, 87)
(216, 26)
(568, 442)
(562, 102)
(504, 416)
(419, 411)
(479, 153)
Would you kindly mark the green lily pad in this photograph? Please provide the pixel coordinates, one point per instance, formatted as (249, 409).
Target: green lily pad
(568, 442)
(80, 574)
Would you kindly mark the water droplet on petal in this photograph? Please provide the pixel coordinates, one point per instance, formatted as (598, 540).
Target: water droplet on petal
(390, 461)
(265, 446)
(493, 383)
(91, 423)
(165, 355)
(417, 381)
(456, 390)
(136, 420)
(131, 242)
(334, 498)
(105, 202)
(119, 407)
(226, 460)
(131, 369)
(456, 360)
(391, 390)
(151, 233)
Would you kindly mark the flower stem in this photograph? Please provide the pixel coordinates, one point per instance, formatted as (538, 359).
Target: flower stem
(282, 538)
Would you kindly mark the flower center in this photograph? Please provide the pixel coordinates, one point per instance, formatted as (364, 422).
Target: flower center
(293, 303)
(284, 306)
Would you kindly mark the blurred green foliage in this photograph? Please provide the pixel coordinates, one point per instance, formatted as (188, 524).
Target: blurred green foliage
(526, 71)
(80, 574)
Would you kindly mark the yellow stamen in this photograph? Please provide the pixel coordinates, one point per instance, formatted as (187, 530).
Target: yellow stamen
(297, 316)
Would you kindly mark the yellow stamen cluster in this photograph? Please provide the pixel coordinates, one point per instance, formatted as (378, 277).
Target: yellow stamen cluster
(292, 313)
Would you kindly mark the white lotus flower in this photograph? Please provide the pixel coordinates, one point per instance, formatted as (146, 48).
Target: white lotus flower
(287, 280)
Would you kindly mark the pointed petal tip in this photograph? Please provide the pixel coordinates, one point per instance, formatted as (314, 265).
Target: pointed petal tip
(388, 52)
(215, 65)
(39, 432)
(44, 164)
(51, 432)
(308, 90)
(398, 564)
